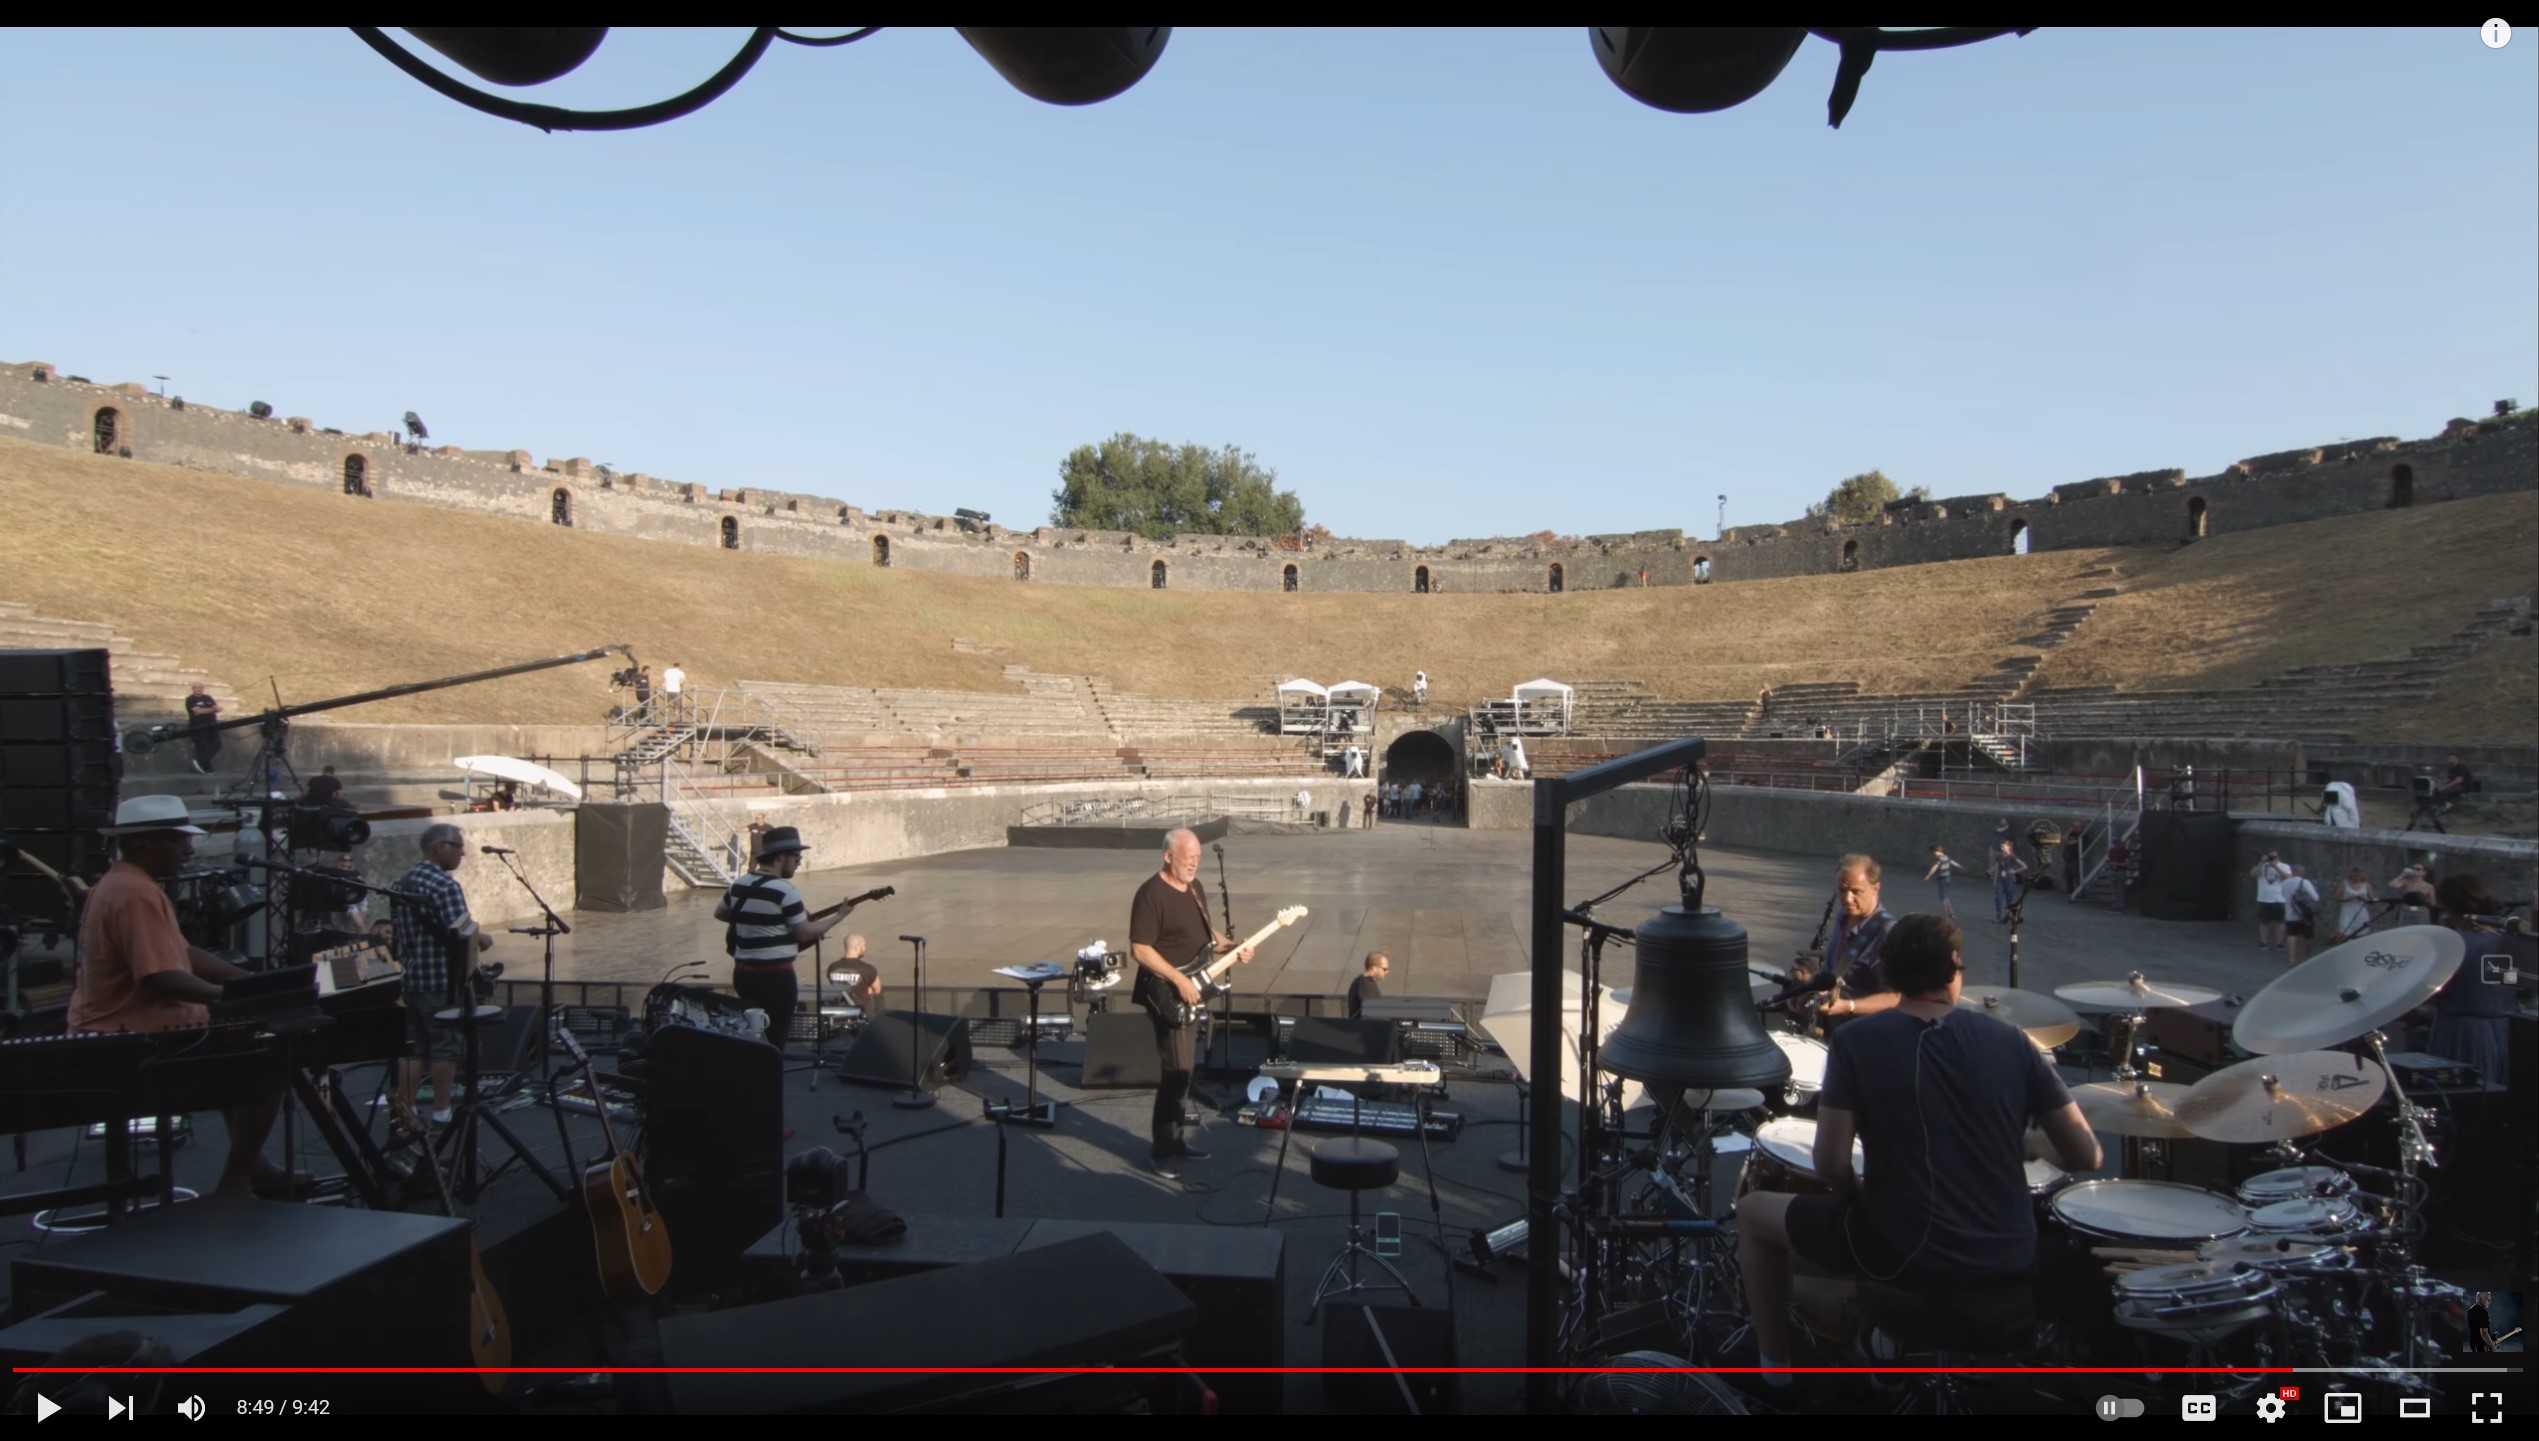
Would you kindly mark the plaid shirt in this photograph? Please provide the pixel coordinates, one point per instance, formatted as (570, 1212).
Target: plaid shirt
(424, 940)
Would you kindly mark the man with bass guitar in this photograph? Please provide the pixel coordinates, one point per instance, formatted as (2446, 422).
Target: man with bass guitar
(769, 927)
(1168, 928)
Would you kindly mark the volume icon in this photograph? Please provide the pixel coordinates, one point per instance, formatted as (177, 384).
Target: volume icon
(191, 1408)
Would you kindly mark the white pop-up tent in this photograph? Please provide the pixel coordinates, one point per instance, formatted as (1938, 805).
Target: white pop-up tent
(1301, 706)
(1353, 704)
(1537, 699)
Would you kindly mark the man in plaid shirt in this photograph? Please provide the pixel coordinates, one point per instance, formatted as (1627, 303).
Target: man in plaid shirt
(437, 943)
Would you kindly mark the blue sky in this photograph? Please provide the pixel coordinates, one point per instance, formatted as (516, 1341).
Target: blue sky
(1446, 283)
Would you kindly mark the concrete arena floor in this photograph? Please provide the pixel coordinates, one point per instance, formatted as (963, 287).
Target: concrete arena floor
(1449, 905)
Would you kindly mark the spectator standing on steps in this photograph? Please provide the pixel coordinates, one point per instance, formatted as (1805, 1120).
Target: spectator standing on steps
(1419, 687)
(2271, 873)
(673, 681)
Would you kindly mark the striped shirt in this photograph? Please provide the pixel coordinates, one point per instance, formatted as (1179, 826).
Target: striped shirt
(763, 911)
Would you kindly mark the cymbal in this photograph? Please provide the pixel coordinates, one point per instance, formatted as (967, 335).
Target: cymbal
(2141, 1108)
(2048, 1022)
(2281, 1097)
(2349, 990)
(2133, 993)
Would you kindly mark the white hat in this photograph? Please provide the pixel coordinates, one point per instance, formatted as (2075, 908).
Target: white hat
(151, 813)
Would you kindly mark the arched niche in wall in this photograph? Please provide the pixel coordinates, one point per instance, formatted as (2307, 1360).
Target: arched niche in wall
(357, 475)
(1158, 574)
(106, 429)
(731, 532)
(560, 508)
(1558, 580)
(1022, 565)
(2402, 486)
(1851, 556)
(881, 551)
(1701, 570)
(2018, 537)
(1287, 578)
(2199, 518)
(1419, 581)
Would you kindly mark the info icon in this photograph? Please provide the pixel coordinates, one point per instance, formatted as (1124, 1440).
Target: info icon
(2199, 1408)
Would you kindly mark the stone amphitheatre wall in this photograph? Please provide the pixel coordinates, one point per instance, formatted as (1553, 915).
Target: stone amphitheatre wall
(2469, 458)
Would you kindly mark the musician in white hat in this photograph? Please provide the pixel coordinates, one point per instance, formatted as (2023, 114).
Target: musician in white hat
(138, 973)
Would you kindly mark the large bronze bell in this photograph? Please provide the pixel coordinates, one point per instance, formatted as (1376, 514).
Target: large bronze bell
(1692, 1021)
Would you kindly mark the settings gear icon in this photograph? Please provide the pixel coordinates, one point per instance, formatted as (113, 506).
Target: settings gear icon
(2271, 1408)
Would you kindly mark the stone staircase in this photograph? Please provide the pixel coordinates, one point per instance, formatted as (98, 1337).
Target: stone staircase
(149, 685)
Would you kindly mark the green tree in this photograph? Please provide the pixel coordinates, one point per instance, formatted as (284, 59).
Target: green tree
(1859, 498)
(1159, 490)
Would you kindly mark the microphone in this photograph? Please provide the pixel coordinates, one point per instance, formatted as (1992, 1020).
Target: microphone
(498, 850)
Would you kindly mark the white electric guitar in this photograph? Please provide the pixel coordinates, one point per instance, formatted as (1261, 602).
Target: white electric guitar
(1208, 969)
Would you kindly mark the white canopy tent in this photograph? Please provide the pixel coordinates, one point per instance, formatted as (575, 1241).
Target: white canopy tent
(1353, 705)
(1302, 707)
(1508, 1018)
(1535, 702)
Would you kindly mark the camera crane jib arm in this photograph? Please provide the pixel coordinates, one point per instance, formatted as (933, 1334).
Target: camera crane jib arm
(139, 740)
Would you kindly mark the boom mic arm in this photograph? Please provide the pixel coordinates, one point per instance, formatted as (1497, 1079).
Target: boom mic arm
(139, 740)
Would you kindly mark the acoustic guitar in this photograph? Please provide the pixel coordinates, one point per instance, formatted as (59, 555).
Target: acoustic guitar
(627, 1233)
(1207, 973)
(488, 1328)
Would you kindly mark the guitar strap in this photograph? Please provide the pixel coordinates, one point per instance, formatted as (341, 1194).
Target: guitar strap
(749, 887)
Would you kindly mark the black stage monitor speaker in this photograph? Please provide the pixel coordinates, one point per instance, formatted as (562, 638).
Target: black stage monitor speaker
(617, 857)
(2189, 865)
(55, 672)
(1361, 1343)
(1119, 1052)
(716, 1128)
(1344, 1042)
(932, 1050)
(1086, 1303)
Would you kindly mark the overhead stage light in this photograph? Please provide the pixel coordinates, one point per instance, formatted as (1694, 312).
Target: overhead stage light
(1069, 64)
(1694, 69)
(513, 54)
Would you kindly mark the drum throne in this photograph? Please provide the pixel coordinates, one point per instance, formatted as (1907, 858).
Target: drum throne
(1942, 1331)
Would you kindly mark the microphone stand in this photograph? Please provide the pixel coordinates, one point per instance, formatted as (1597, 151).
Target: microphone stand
(2017, 914)
(1222, 1024)
(546, 935)
(916, 1098)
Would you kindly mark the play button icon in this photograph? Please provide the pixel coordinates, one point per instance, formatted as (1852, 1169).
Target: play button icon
(45, 1406)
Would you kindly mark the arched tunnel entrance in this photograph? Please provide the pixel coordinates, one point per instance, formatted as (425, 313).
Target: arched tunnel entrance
(1426, 759)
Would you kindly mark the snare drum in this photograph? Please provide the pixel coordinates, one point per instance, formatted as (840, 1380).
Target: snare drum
(1784, 1159)
(2311, 1218)
(2146, 1215)
(2199, 1300)
(1807, 1069)
(2294, 1184)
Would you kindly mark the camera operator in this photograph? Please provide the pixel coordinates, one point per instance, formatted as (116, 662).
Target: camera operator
(437, 944)
(2456, 782)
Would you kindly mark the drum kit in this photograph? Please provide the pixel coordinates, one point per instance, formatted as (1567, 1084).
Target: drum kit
(2301, 1267)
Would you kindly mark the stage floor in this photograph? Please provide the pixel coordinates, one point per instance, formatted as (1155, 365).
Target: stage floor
(1450, 906)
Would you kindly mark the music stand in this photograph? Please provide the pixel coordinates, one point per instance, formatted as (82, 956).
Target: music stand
(1035, 1111)
(915, 1098)
(546, 935)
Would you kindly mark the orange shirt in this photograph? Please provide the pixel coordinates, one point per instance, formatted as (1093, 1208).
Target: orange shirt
(129, 931)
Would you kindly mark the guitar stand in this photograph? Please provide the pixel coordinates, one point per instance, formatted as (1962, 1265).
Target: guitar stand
(477, 1110)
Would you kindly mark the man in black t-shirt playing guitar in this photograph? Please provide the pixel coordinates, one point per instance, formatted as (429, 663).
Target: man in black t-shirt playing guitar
(1168, 928)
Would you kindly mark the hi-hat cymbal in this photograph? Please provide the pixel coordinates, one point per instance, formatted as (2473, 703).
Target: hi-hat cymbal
(2282, 1097)
(2047, 1021)
(2349, 990)
(2133, 993)
(2140, 1108)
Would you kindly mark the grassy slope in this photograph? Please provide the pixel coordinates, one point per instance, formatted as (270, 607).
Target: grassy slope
(331, 595)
